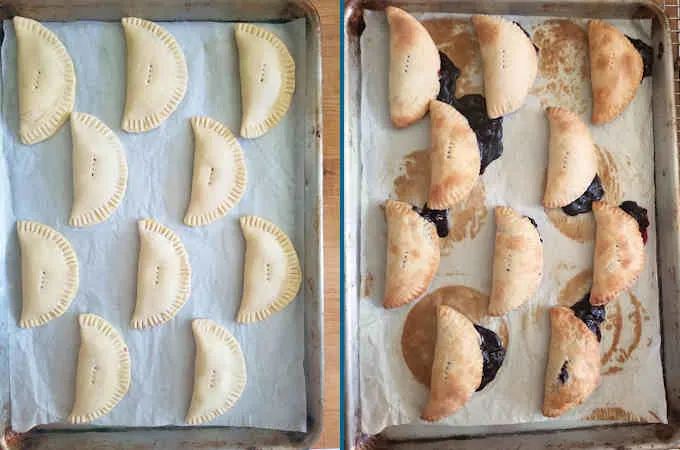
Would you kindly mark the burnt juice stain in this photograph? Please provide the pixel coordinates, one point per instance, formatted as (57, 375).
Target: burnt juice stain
(584, 203)
(439, 217)
(638, 213)
(647, 54)
(592, 316)
(492, 352)
(489, 131)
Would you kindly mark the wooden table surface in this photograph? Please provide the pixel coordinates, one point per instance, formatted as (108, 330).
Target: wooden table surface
(329, 10)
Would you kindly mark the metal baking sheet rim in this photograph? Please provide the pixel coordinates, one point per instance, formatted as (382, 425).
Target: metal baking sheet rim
(667, 185)
(313, 286)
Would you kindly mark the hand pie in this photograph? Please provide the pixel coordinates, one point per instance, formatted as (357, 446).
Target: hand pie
(219, 374)
(517, 261)
(49, 273)
(619, 253)
(267, 79)
(616, 70)
(271, 276)
(103, 372)
(219, 172)
(510, 64)
(414, 68)
(46, 81)
(457, 365)
(454, 159)
(573, 369)
(163, 276)
(412, 254)
(100, 171)
(572, 161)
(156, 75)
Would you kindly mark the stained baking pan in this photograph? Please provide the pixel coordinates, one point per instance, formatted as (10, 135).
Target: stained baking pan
(308, 213)
(666, 179)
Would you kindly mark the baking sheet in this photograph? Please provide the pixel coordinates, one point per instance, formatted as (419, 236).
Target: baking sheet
(390, 169)
(43, 360)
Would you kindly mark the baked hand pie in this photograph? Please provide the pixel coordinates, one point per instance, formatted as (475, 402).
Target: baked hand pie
(49, 273)
(454, 158)
(412, 254)
(103, 371)
(267, 79)
(573, 369)
(572, 158)
(457, 365)
(46, 81)
(616, 70)
(619, 252)
(157, 75)
(414, 68)
(517, 261)
(510, 63)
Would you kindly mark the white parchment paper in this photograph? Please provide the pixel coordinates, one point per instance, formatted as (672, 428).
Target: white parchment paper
(43, 360)
(390, 395)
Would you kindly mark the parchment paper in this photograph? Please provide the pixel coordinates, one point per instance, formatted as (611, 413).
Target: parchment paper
(631, 387)
(43, 360)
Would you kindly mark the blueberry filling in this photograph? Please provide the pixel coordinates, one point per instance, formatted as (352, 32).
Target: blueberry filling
(439, 217)
(584, 203)
(564, 375)
(489, 131)
(492, 352)
(592, 316)
(647, 54)
(526, 33)
(533, 222)
(638, 213)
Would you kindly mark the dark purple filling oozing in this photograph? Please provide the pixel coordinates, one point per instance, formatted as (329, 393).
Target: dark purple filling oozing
(533, 222)
(647, 54)
(439, 217)
(526, 33)
(489, 131)
(584, 203)
(492, 352)
(638, 213)
(564, 374)
(592, 316)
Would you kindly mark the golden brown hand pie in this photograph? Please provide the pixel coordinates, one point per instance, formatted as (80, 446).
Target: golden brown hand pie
(457, 366)
(412, 254)
(619, 253)
(454, 159)
(510, 64)
(572, 158)
(573, 369)
(517, 262)
(616, 70)
(414, 68)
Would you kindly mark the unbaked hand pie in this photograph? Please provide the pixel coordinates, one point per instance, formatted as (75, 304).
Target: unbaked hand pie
(157, 75)
(457, 365)
(103, 372)
(414, 68)
(572, 158)
(412, 254)
(219, 373)
(517, 261)
(46, 81)
(49, 273)
(573, 369)
(454, 158)
(619, 252)
(616, 70)
(267, 79)
(509, 61)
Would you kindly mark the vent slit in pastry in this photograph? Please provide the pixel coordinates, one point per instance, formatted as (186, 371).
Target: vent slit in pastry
(163, 275)
(408, 234)
(103, 372)
(49, 273)
(46, 81)
(414, 68)
(157, 75)
(271, 274)
(267, 73)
